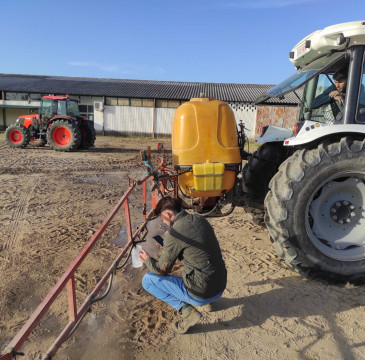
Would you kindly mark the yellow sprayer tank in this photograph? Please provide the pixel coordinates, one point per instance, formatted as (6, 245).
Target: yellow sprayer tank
(204, 138)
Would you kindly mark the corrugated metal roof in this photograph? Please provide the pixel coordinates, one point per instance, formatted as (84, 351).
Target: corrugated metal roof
(135, 88)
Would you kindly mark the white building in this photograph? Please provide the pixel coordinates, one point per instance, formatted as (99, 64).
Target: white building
(138, 107)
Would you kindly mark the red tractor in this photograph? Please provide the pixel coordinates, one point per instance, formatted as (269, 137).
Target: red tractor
(58, 123)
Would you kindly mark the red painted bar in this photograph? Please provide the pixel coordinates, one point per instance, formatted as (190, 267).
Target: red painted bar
(85, 306)
(71, 296)
(67, 279)
(128, 220)
(42, 308)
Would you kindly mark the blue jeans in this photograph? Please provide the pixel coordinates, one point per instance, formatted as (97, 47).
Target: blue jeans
(171, 290)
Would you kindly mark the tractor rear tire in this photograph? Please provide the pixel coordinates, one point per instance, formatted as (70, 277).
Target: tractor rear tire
(261, 167)
(63, 135)
(315, 211)
(17, 136)
(88, 135)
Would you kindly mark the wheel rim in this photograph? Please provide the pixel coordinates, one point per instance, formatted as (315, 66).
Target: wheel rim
(336, 219)
(61, 136)
(15, 136)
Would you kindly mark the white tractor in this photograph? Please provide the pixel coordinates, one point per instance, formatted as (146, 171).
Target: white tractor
(312, 178)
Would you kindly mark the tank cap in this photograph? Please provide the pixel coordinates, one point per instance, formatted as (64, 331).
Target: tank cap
(203, 99)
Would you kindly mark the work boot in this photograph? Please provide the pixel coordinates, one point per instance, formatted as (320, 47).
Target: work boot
(189, 317)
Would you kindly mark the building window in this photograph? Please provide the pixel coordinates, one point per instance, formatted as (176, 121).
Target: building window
(16, 96)
(35, 96)
(147, 102)
(123, 101)
(87, 111)
(111, 101)
(173, 103)
(136, 102)
(161, 103)
(168, 103)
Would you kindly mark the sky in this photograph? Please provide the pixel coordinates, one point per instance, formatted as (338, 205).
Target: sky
(216, 41)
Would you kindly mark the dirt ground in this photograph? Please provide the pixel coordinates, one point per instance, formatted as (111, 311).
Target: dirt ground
(52, 202)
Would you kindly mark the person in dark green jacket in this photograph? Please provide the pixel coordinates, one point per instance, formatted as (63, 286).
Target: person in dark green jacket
(190, 239)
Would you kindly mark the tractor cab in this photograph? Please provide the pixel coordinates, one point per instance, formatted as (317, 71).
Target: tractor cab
(52, 106)
(317, 58)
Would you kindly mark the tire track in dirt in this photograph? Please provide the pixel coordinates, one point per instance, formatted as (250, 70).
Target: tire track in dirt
(14, 229)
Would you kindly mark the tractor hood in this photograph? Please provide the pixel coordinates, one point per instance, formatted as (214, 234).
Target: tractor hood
(301, 77)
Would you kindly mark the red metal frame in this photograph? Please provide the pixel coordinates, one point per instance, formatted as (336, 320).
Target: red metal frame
(67, 280)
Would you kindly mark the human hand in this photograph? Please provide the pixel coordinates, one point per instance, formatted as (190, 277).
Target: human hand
(143, 255)
(336, 95)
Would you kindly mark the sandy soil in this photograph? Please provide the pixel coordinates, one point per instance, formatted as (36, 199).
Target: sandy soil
(51, 203)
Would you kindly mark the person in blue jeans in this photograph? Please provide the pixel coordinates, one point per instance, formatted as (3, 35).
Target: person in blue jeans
(190, 239)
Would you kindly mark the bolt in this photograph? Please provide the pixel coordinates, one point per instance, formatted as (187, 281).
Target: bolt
(352, 214)
(352, 207)
(348, 220)
(340, 221)
(345, 203)
(334, 217)
(333, 210)
(338, 204)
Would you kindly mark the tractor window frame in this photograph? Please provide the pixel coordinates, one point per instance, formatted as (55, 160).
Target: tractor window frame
(47, 106)
(302, 76)
(72, 108)
(360, 112)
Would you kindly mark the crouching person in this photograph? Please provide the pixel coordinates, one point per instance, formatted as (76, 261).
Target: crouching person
(192, 240)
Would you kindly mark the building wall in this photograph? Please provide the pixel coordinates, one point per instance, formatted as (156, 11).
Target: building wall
(8, 116)
(128, 120)
(285, 116)
(247, 114)
(163, 121)
(134, 121)
(154, 121)
(10, 110)
(147, 121)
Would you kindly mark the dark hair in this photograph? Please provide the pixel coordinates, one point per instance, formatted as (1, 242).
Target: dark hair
(167, 203)
(340, 74)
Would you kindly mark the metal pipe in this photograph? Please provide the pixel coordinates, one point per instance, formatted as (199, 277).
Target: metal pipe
(353, 83)
(154, 118)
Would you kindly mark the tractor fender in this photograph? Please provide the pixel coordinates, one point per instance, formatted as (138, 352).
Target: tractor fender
(275, 133)
(63, 117)
(312, 131)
